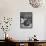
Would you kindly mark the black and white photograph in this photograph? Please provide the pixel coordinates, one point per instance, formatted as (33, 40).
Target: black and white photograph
(25, 19)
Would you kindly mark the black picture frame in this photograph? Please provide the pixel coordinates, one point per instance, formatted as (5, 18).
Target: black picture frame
(26, 19)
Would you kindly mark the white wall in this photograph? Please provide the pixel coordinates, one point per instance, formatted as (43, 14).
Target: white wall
(12, 8)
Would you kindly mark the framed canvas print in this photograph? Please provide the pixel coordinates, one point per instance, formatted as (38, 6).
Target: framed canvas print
(25, 19)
